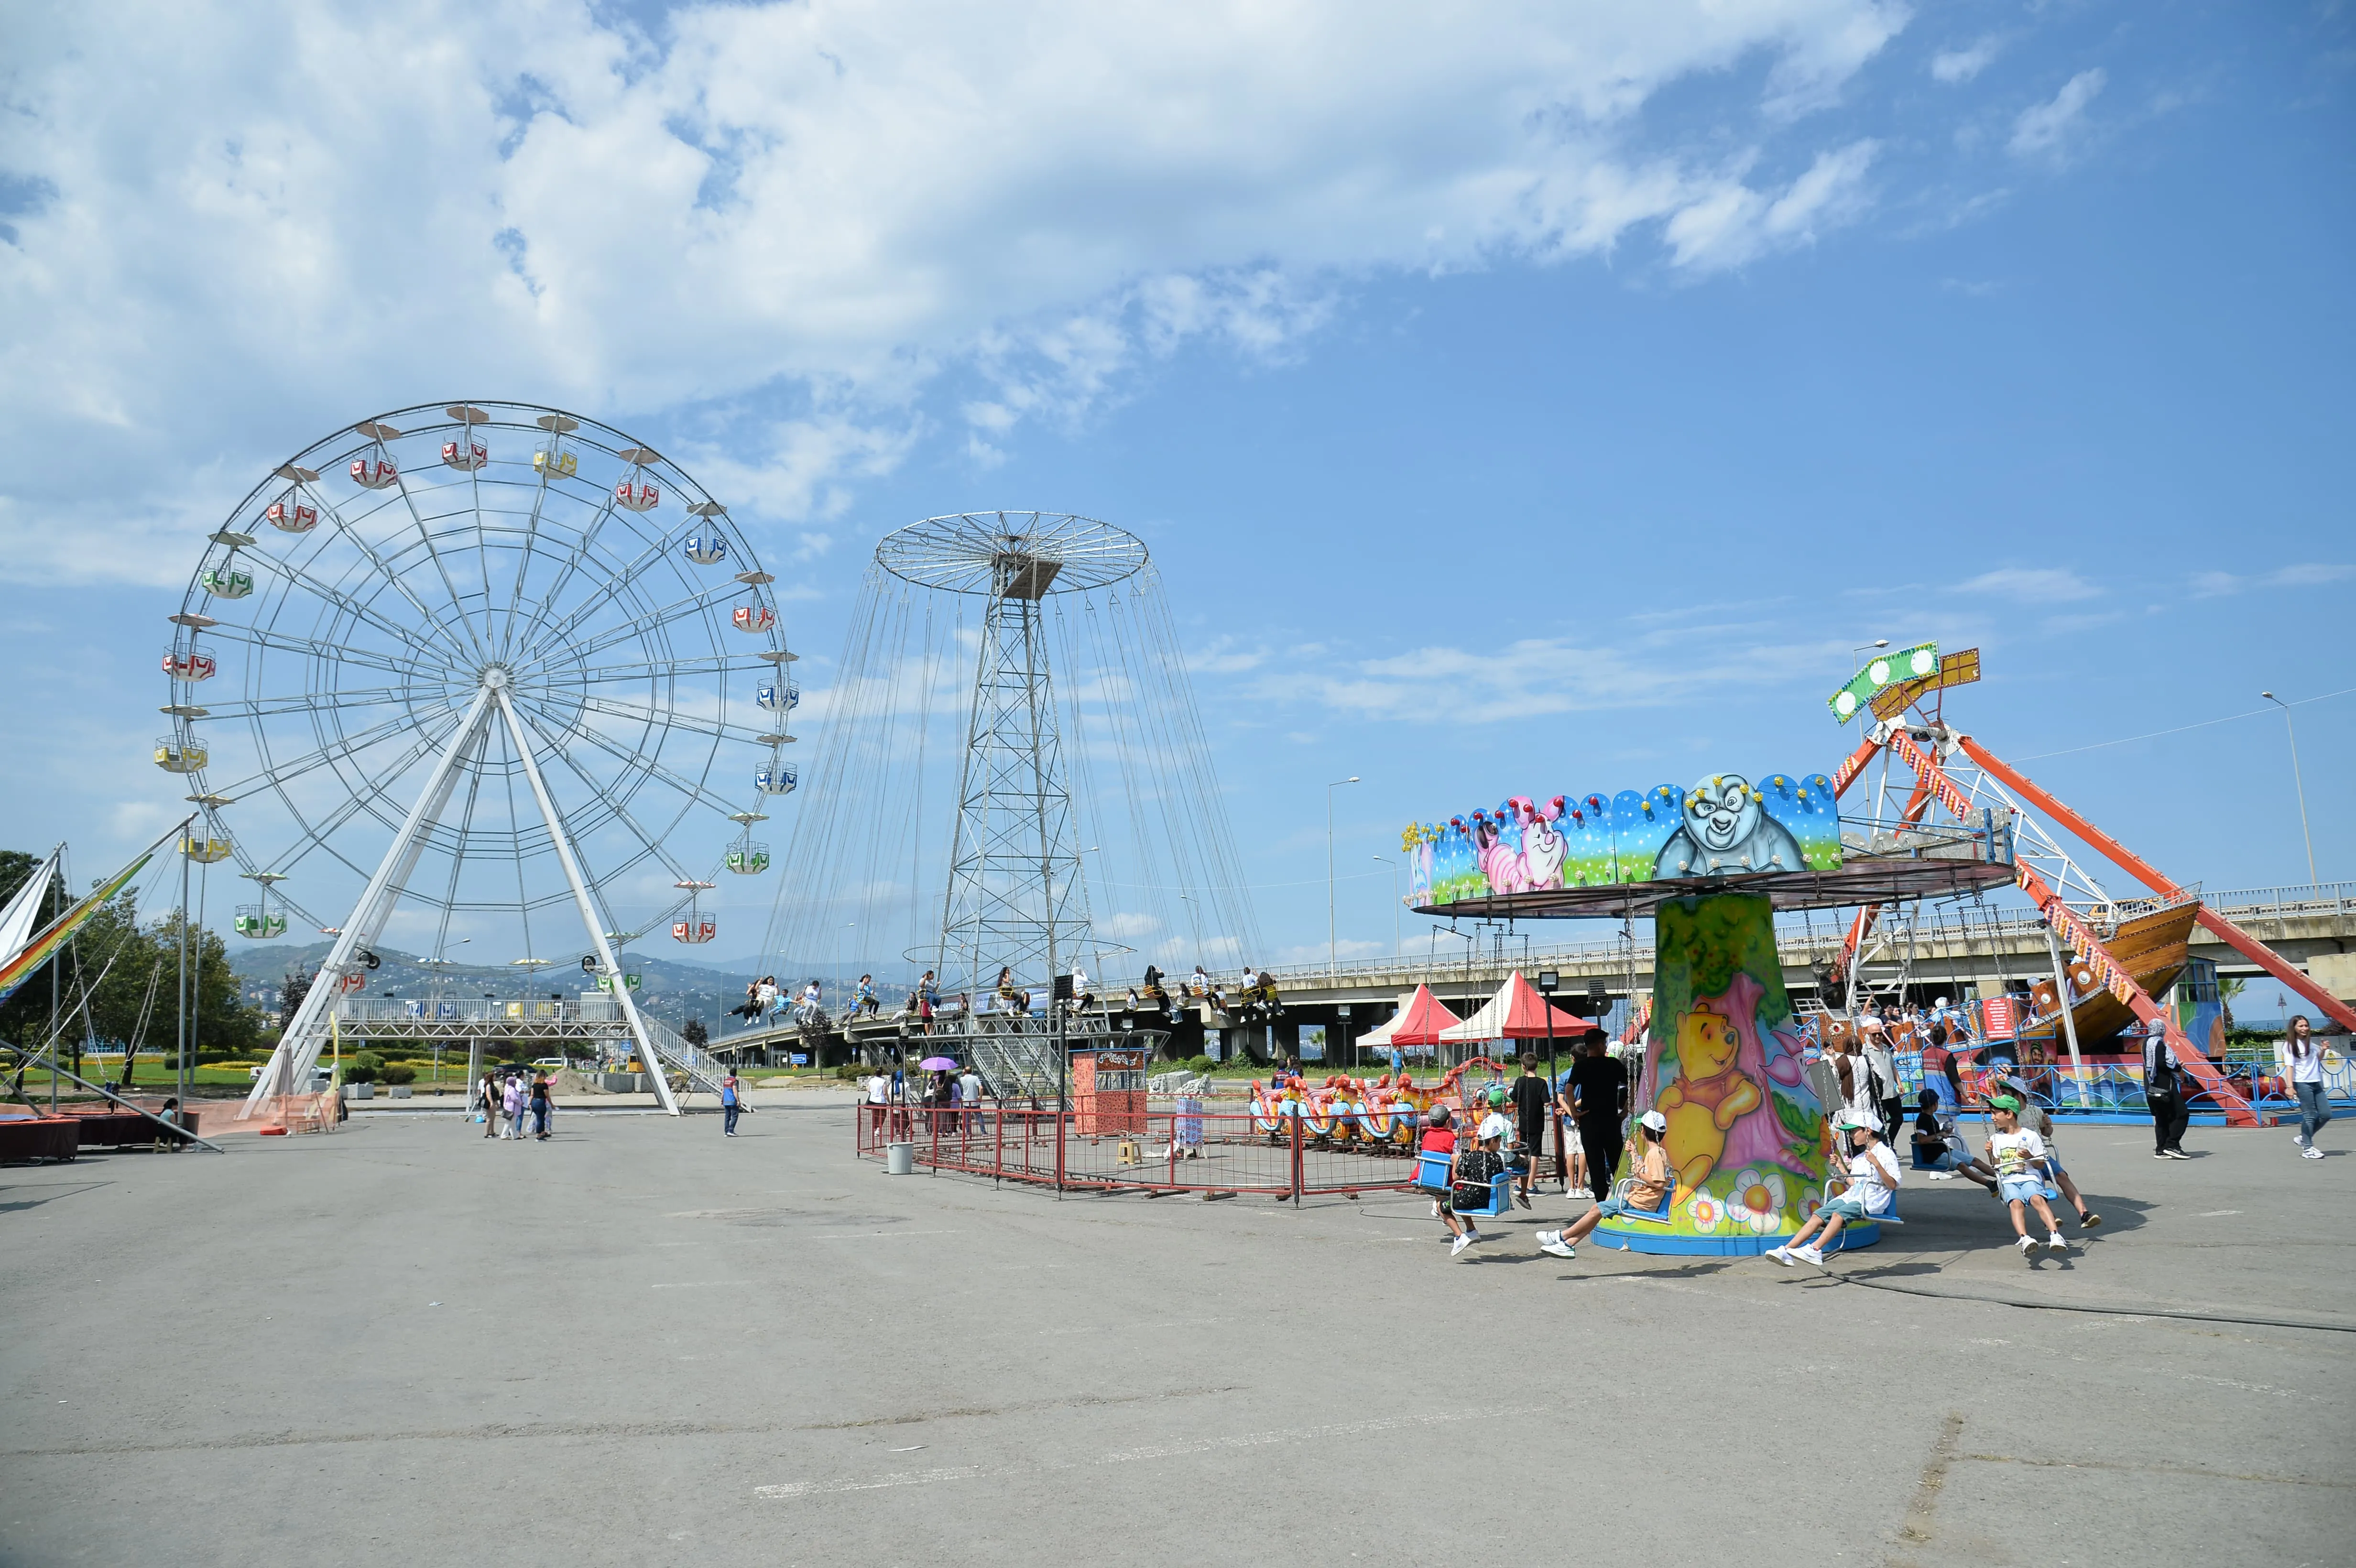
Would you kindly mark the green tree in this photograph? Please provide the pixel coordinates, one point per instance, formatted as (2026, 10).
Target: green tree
(2228, 987)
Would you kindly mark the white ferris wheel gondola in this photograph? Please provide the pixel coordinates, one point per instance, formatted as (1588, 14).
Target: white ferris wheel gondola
(375, 470)
(694, 927)
(635, 492)
(470, 692)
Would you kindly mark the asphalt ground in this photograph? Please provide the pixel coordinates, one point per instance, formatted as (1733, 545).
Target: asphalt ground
(643, 1343)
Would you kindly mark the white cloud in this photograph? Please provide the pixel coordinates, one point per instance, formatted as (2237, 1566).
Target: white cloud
(1954, 66)
(1542, 676)
(1734, 224)
(246, 222)
(2046, 129)
(2033, 585)
(2307, 574)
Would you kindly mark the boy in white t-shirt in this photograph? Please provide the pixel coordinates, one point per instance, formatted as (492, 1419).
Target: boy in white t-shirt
(1872, 1190)
(2017, 1157)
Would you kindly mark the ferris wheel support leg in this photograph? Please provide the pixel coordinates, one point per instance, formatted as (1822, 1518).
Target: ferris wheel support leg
(298, 1045)
(590, 914)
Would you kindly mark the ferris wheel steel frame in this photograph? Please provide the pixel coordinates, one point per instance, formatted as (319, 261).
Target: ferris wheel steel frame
(480, 615)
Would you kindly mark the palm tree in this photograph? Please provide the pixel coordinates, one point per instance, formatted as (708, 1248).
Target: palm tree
(2228, 987)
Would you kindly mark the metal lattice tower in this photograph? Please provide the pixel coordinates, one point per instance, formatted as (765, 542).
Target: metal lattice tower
(1015, 896)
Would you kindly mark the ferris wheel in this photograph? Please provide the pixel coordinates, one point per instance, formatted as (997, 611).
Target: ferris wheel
(475, 671)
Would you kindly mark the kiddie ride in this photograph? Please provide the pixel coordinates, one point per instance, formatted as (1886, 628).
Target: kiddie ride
(1725, 1060)
(1378, 1115)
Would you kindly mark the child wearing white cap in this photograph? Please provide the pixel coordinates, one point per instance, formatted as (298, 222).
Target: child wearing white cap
(1873, 1178)
(1649, 1185)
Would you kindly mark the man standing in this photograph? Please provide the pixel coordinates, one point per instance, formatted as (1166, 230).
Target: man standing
(969, 1091)
(2163, 1090)
(1599, 1103)
(728, 1093)
(1533, 1098)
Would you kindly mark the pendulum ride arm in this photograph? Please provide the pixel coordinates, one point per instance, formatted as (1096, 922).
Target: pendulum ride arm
(298, 1044)
(590, 916)
(2249, 946)
(2066, 921)
(1916, 805)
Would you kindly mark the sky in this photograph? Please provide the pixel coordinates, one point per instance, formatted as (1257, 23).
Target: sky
(1516, 399)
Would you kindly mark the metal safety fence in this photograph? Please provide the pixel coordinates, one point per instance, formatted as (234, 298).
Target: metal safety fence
(1175, 1149)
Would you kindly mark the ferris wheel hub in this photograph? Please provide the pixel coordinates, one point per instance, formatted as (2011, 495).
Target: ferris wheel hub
(495, 677)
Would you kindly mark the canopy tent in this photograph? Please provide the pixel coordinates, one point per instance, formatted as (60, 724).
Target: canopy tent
(1517, 1012)
(1420, 1023)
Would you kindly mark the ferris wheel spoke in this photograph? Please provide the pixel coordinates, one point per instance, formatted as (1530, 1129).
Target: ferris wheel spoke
(654, 767)
(653, 841)
(554, 636)
(718, 730)
(718, 664)
(384, 570)
(288, 642)
(646, 624)
(579, 553)
(351, 605)
(279, 706)
(458, 855)
(344, 746)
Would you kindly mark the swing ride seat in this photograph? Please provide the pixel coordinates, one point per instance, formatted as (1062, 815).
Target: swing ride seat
(1654, 1216)
(1889, 1217)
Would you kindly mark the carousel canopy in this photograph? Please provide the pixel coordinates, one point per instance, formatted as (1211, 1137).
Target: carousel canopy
(1417, 1023)
(1517, 1012)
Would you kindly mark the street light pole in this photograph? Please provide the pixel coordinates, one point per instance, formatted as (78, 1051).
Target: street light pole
(1333, 946)
(1386, 860)
(2301, 783)
(1857, 664)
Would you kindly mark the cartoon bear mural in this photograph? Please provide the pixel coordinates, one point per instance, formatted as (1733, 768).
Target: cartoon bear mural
(1726, 829)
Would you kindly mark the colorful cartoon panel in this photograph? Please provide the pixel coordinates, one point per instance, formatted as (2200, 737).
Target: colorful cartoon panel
(1746, 1138)
(1725, 824)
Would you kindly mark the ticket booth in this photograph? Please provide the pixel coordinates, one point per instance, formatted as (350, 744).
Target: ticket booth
(1108, 1092)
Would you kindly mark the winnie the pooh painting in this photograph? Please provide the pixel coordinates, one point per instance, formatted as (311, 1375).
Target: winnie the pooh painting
(1707, 1094)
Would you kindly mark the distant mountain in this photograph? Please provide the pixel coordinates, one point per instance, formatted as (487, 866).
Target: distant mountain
(668, 988)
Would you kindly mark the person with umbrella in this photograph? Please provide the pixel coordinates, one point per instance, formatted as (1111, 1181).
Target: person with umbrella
(937, 1096)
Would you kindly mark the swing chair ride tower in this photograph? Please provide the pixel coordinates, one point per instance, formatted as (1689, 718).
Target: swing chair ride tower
(1016, 678)
(1014, 894)
(527, 648)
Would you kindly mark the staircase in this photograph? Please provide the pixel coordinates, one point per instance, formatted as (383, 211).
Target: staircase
(1016, 1059)
(703, 1071)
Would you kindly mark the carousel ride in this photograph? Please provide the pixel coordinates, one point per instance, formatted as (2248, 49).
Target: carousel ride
(478, 669)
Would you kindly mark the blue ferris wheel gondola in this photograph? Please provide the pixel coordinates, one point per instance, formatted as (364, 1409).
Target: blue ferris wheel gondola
(777, 778)
(777, 696)
(707, 550)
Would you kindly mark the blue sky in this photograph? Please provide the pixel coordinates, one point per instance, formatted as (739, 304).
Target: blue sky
(1518, 399)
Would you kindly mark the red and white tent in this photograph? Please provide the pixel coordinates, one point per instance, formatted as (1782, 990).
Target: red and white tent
(1516, 1012)
(1420, 1023)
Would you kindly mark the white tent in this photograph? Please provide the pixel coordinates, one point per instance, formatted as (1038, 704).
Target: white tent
(23, 915)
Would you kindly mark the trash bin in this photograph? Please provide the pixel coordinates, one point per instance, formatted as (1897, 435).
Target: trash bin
(899, 1160)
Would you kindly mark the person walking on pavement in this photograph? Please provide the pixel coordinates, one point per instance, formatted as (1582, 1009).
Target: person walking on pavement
(1533, 1098)
(2305, 1061)
(2164, 1092)
(1598, 1092)
(487, 1091)
(543, 1100)
(728, 1094)
(511, 1102)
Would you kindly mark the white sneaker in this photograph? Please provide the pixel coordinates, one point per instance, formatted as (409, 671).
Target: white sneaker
(1552, 1242)
(2026, 1245)
(2054, 1244)
(1435, 1208)
(1781, 1254)
(2310, 1152)
(1810, 1255)
(1461, 1244)
(1939, 1176)
(2299, 1138)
